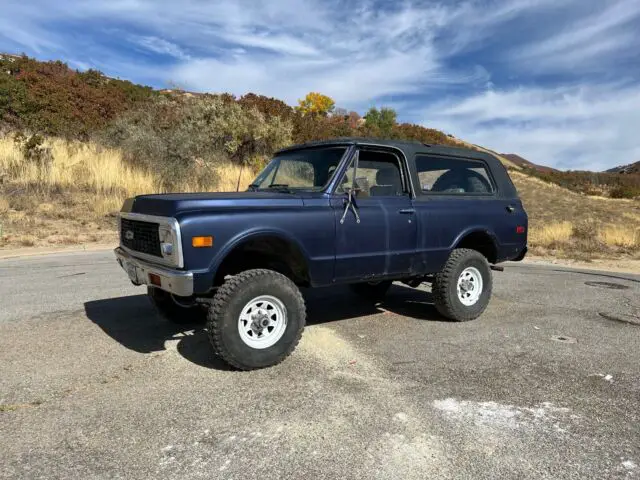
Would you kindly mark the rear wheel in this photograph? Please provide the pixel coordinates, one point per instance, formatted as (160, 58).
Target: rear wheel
(179, 310)
(256, 319)
(461, 291)
(374, 291)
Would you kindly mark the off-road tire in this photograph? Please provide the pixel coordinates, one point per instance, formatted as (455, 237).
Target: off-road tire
(371, 291)
(174, 313)
(227, 305)
(445, 285)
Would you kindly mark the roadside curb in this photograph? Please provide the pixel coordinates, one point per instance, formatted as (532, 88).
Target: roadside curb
(34, 252)
(605, 266)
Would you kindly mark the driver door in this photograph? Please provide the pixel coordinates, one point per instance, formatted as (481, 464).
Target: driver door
(376, 235)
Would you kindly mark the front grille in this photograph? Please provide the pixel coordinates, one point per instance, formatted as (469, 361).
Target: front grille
(140, 236)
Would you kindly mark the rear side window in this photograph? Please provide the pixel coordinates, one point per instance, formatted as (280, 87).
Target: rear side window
(453, 176)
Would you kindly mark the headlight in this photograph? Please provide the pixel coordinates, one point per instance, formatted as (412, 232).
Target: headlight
(167, 249)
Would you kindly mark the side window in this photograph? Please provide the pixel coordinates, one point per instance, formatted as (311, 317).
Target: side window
(379, 174)
(453, 176)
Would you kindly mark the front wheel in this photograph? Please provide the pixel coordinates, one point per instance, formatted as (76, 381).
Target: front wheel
(256, 319)
(461, 291)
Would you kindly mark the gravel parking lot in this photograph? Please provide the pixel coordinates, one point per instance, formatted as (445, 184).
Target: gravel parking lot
(546, 384)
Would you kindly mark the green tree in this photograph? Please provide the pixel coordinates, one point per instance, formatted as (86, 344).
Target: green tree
(381, 122)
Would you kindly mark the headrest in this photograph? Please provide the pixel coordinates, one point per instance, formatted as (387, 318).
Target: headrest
(388, 176)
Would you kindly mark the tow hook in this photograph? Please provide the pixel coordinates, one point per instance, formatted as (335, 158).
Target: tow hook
(497, 268)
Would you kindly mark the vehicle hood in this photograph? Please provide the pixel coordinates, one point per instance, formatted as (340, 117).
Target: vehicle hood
(172, 204)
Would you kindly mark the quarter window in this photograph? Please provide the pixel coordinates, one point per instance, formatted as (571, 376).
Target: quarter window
(453, 176)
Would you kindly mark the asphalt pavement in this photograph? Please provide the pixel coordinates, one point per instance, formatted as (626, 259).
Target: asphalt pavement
(546, 384)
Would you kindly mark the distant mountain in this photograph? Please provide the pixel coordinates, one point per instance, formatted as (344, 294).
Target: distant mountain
(631, 168)
(523, 162)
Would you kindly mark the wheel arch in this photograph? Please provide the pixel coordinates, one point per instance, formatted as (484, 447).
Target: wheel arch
(271, 249)
(482, 240)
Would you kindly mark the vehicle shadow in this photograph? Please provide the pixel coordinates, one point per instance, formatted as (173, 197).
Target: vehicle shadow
(134, 323)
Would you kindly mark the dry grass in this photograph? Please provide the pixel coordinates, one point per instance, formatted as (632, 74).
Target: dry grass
(227, 174)
(4, 206)
(73, 165)
(72, 197)
(551, 235)
(567, 224)
(621, 236)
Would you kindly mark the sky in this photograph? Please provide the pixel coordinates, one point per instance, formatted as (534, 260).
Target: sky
(555, 81)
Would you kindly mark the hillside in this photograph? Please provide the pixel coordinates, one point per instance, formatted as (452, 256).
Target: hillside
(524, 163)
(73, 145)
(631, 169)
(567, 224)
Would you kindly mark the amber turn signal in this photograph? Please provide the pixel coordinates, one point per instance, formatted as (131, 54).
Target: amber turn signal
(202, 242)
(155, 279)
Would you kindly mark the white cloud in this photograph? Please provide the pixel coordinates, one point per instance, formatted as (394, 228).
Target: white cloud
(160, 45)
(351, 81)
(588, 41)
(279, 43)
(579, 127)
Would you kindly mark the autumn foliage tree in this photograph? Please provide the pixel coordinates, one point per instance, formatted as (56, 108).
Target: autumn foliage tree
(316, 104)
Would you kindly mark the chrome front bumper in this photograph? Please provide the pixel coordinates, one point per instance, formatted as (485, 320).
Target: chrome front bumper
(173, 281)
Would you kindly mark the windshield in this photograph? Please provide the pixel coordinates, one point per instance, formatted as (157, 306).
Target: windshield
(305, 169)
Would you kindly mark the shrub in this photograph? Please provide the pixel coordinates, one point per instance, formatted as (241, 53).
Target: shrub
(585, 235)
(625, 191)
(50, 98)
(267, 106)
(183, 139)
(617, 185)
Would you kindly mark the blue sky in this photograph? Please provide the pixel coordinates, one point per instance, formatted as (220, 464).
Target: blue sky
(556, 81)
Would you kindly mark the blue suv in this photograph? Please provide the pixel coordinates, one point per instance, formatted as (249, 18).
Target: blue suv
(351, 211)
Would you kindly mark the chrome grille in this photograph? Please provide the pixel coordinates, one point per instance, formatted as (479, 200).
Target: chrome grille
(140, 236)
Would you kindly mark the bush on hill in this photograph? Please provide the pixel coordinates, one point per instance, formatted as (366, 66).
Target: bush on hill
(50, 98)
(175, 137)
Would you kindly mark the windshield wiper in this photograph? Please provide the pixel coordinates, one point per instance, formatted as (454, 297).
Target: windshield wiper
(254, 186)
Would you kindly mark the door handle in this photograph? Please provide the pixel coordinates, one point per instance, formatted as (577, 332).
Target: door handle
(407, 211)
(511, 208)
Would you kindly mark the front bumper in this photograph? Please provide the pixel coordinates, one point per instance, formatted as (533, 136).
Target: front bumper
(173, 281)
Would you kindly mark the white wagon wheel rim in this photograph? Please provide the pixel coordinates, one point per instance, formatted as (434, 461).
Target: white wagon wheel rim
(469, 286)
(262, 322)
